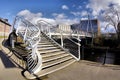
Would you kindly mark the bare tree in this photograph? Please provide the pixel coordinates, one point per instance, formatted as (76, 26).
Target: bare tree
(112, 16)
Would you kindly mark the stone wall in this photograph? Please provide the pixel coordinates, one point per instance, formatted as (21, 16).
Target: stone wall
(4, 28)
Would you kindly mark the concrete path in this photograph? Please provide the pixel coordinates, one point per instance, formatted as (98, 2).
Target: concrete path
(86, 70)
(8, 71)
(82, 70)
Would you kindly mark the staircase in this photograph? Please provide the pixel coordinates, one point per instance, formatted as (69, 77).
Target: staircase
(53, 58)
(43, 55)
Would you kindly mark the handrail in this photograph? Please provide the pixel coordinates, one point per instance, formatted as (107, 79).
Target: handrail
(52, 28)
(61, 46)
(31, 37)
(78, 45)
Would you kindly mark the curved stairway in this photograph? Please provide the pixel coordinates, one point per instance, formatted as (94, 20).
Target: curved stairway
(42, 54)
(53, 58)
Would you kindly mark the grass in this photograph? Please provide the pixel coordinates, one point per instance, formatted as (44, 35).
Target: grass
(3, 36)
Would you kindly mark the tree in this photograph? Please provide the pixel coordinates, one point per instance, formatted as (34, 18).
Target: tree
(112, 16)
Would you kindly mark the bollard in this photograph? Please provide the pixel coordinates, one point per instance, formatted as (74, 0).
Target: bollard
(82, 52)
(105, 57)
(13, 44)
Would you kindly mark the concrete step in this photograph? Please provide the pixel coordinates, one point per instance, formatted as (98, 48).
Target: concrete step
(55, 62)
(46, 59)
(52, 54)
(49, 51)
(47, 45)
(43, 43)
(50, 69)
(46, 48)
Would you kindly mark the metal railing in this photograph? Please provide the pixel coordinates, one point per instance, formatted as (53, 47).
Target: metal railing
(31, 37)
(66, 41)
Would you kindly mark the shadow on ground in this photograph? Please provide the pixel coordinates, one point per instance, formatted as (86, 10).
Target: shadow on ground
(5, 60)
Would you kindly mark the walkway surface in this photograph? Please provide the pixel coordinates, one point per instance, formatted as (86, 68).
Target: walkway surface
(8, 71)
(82, 70)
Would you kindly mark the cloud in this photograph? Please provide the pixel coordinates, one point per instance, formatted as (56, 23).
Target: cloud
(97, 5)
(65, 7)
(82, 13)
(105, 28)
(84, 18)
(76, 13)
(28, 14)
(34, 17)
(67, 21)
(63, 19)
(97, 8)
(79, 7)
(60, 18)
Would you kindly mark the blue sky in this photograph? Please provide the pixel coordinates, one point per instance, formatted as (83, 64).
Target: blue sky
(10, 8)
(61, 11)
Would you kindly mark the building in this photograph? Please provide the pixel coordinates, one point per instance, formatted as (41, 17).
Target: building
(91, 26)
(65, 28)
(4, 27)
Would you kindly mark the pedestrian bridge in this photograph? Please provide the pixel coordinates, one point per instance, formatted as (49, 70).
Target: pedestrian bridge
(72, 33)
(55, 30)
(37, 51)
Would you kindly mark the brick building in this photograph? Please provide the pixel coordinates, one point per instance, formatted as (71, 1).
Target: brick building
(4, 27)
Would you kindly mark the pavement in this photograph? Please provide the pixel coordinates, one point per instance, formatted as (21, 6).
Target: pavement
(86, 70)
(81, 70)
(8, 71)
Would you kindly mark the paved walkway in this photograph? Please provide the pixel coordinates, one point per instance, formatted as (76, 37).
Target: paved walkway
(82, 70)
(86, 70)
(8, 71)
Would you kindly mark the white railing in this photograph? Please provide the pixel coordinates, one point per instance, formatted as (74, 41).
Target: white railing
(48, 28)
(31, 37)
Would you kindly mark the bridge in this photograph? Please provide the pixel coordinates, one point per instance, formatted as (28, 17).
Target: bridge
(72, 33)
(55, 30)
(39, 52)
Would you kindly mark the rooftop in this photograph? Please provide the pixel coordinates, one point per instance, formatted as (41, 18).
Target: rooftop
(5, 21)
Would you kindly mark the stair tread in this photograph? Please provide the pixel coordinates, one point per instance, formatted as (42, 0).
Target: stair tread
(52, 54)
(57, 61)
(40, 43)
(47, 45)
(54, 57)
(44, 48)
(48, 51)
(50, 70)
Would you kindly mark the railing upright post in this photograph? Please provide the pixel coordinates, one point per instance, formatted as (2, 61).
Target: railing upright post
(25, 33)
(13, 42)
(79, 51)
(61, 39)
(49, 32)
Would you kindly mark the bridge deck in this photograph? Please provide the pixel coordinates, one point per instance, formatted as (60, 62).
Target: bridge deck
(73, 34)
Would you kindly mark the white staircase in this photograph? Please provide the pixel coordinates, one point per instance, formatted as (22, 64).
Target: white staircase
(53, 58)
(43, 55)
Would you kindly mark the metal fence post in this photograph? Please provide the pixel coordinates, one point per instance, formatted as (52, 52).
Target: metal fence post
(105, 57)
(61, 39)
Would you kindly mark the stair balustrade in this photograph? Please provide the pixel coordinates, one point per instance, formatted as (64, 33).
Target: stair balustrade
(66, 41)
(31, 37)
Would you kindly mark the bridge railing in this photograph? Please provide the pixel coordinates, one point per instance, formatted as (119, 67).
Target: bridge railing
(81, 33)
